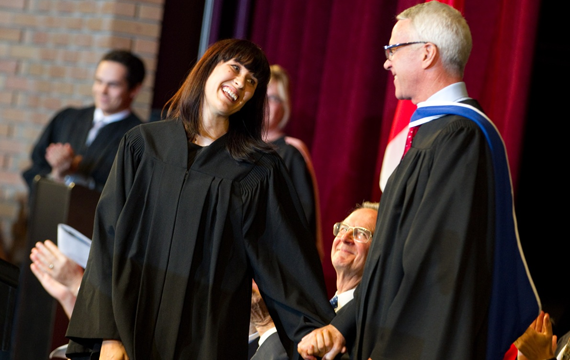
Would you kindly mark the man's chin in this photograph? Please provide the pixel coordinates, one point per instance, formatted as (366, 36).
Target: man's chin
(342, 261)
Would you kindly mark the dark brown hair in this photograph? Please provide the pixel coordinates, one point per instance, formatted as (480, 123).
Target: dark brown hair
(134, 65)
(246, 125)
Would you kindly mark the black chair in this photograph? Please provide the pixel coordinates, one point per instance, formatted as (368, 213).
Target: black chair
(9, 274)
(39, 319)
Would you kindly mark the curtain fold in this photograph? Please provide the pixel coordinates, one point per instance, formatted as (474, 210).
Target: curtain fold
(343, 100)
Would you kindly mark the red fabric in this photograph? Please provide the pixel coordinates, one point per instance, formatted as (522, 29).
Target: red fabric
(411, 133)
(343, 100)
(512, 353)
(402, 115)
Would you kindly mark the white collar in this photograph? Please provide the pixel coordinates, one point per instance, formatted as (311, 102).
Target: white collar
(266, 334)
(455, 92)
(452, 93)
(344, 298)
(99, 116)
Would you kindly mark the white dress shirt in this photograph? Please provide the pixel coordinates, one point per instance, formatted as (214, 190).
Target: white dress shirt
(100, 120)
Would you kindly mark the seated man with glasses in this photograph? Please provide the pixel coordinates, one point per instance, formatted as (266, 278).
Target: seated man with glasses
(348, 255)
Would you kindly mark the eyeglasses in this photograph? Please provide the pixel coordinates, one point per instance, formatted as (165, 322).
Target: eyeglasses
(389, 50)
(359, 234)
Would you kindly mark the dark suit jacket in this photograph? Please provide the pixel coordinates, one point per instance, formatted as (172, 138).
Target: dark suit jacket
(252, 347)
(271, 349)
(72, 126)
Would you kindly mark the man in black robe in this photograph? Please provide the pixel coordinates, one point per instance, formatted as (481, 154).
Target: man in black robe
(445, 277)
(79, 145)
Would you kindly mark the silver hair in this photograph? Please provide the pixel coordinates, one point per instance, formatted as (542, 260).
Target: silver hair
(445, 27)
(368, 205)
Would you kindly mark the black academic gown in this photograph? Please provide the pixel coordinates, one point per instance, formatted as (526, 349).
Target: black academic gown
(72, 126)
(174, 250)
(301, 177)
(426, 286)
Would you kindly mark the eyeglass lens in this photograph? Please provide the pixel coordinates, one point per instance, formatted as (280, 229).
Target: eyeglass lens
(357, 233)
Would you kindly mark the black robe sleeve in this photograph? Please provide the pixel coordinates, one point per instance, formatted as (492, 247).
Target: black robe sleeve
(284, 259)
(96, 285)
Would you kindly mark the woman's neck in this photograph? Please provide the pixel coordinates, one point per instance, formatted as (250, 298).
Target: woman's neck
(272, 135)
(211, 129)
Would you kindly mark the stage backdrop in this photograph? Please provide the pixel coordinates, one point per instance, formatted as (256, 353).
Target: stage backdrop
(343, 100)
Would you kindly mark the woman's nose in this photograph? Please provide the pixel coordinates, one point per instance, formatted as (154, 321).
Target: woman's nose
(239, 81)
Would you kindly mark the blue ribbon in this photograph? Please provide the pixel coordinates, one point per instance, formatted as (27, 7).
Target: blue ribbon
(514, 302)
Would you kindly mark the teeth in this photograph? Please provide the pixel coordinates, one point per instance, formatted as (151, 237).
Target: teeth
(230, 93)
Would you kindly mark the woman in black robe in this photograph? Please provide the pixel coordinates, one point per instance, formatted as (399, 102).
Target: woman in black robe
(293, 151)
(194, 208)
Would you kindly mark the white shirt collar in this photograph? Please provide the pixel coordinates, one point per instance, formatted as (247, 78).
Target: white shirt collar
(265, 335)
(455, 92)
(344, 298)
(452, 93)
(99, 116)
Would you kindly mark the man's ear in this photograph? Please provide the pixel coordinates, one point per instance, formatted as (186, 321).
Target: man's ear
(430, 55)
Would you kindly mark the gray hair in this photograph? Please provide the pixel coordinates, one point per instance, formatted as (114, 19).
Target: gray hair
(368, 205)
(445, 27)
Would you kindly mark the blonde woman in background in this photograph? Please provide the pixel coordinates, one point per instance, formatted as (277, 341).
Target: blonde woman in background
(294, 152)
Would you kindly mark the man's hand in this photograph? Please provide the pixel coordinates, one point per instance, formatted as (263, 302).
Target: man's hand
(260, 317)
(537, 342)
(326, 342)
(62, 160)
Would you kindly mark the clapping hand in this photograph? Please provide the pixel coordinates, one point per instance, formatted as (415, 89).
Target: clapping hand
(537, 342)
(59, 275)
(62, 160)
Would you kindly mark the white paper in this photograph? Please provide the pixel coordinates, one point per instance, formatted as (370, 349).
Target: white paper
(59, 353)
(73, 244)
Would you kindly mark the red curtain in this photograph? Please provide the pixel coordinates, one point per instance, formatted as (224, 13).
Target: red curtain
(343, 100)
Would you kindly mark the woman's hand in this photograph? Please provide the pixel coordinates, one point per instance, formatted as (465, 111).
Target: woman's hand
(325, 342)
(49, 259)
(537, 343)
(113, 350)
(56, 289)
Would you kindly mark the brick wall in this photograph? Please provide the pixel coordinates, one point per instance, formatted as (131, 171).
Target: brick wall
(49, 50)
